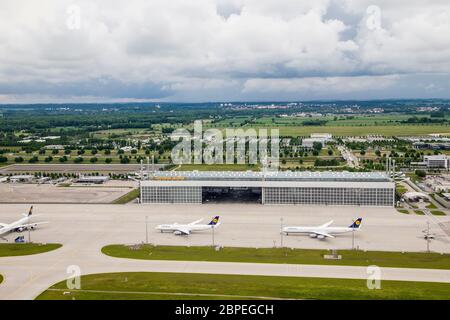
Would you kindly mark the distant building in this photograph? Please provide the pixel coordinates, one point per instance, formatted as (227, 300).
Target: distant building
(416, 196)
(439, 183)
(286, 142)
(328, 136)
(323, 138)
(93, 179)
(437, 161)
(21, 178)
(431, 146)
(54, 147)
(308, 143)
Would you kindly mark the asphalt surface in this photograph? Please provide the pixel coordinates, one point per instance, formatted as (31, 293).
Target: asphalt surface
(74, 168)
(47, 193)
(85, 229)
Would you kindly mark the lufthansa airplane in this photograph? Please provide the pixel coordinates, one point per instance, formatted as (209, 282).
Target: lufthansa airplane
(186, 229)
(323, 231)
(19, 225)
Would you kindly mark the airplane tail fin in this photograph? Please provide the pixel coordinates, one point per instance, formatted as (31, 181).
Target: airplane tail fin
(214, 221)
(29, 212)
(356, 224)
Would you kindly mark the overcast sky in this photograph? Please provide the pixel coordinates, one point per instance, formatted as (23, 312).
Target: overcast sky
(223, 50)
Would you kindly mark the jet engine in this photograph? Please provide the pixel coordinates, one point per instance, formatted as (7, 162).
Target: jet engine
(313, 235)
(179, 233)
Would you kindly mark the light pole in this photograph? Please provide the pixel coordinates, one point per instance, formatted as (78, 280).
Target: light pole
(353, 238)
(146, 229)
(281, 232)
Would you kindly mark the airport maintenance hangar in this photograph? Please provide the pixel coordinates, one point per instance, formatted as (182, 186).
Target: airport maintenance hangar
(285, 187)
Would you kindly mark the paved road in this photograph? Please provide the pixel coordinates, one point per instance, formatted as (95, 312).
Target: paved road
(85, 229)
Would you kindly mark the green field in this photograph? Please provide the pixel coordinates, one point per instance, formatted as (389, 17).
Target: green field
(24, 249)
(130, 196)
(146, 285)
(217, 167)
(281, 255)
(388, 130)
(351, 129)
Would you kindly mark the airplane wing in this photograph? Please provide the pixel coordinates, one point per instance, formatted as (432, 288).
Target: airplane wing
(195, 222)
(323, 234)
(183, 230)
(29, 225)
(326, 224)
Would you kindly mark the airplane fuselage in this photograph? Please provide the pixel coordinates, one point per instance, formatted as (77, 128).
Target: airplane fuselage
(175, 227)
(314, 230)
(14, 226)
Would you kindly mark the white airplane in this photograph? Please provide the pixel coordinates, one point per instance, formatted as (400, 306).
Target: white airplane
(186, 229)
(19, 225)
(323, 231)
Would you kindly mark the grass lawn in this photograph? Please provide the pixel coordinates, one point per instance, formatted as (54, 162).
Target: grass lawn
(146, 285)
(431, 206)
(281, 255)
(130, 196)
(400, 190)
(24, 249)
(437, 213)
(1, 278)
(404, 211)
(419, 212)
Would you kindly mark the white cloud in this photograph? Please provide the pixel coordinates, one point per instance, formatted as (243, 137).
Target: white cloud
(194, 49)
(321, 84)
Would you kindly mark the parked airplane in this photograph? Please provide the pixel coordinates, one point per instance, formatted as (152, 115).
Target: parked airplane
(323, 231)
(186, 229)
(19, 225)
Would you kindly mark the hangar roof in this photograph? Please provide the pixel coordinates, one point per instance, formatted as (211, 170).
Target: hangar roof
(271, 176)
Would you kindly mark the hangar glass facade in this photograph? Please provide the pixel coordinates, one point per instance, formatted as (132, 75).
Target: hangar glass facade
(162, 194)
(309, 188)
(329, 196)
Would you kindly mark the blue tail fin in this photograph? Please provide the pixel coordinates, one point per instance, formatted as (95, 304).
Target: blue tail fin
(356, 224)
(214, 221)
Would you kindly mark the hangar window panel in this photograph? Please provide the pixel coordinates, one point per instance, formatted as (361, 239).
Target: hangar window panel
(329, 196)
(151, 194)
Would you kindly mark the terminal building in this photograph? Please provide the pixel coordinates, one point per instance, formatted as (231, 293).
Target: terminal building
(293, 188)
